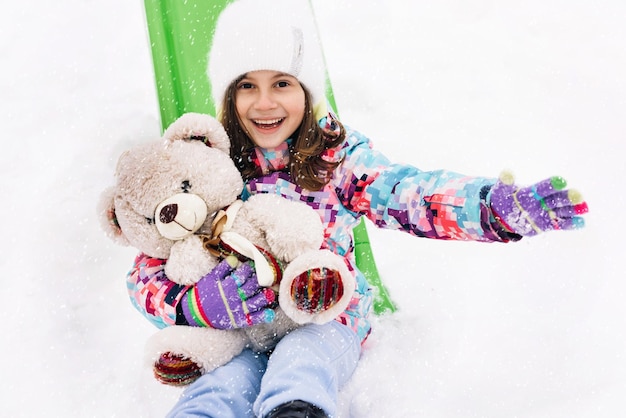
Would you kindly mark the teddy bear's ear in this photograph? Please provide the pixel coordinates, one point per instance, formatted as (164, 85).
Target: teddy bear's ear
(197, 126)
(108, 220)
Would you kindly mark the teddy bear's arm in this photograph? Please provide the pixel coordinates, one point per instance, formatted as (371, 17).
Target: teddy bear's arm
(189, 261)
(290, 228)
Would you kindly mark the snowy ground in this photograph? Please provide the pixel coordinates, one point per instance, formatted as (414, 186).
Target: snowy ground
(535, 329)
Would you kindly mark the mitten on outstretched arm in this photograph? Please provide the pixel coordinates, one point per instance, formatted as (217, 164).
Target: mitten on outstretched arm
(543, 206)
(227, 298)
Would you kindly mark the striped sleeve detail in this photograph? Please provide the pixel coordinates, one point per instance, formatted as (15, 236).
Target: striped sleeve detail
(152, 293)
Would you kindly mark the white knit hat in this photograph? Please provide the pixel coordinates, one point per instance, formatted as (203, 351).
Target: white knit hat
(278, 35)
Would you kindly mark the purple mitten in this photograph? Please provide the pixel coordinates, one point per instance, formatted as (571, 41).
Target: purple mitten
(544, 206)
(227, 299)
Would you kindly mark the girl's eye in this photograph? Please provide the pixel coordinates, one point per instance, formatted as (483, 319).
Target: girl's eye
(282, 84)
(245, 85)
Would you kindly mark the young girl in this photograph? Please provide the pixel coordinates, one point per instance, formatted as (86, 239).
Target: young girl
(267, 75)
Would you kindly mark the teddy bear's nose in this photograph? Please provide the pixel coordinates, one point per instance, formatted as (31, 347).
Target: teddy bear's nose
(168, 213)
(180, 215)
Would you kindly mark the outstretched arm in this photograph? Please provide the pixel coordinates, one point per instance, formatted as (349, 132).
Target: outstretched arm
(447, 205)
(432, 204)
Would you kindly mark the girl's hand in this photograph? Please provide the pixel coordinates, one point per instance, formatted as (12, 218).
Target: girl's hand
(229, 298)
(543, 206)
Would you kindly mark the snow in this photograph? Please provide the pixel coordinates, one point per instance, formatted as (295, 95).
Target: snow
(533, 329)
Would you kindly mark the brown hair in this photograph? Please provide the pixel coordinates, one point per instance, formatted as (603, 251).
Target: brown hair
(306, 166)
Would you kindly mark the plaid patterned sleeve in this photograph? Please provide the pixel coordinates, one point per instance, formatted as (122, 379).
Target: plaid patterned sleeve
(152, 293)
(431, 204)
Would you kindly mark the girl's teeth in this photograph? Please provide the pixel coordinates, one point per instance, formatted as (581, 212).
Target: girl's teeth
(267, 122)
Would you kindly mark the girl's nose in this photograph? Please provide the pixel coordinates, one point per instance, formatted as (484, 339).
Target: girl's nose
(265, 101)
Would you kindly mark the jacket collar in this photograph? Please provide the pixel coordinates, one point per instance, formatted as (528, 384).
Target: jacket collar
(267, 160)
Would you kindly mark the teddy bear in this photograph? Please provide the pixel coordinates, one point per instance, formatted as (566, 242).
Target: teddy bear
(177, 198)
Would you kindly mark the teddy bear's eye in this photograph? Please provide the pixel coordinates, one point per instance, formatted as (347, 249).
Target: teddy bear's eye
(150, 220)
(186, 186)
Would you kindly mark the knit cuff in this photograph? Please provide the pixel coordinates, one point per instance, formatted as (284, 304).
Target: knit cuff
(493, 229)
(191, 309)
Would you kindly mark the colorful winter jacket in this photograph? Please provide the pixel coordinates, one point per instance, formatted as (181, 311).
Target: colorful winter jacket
(436, 204)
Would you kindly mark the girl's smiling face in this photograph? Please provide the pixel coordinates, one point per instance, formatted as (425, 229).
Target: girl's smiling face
(270, 106)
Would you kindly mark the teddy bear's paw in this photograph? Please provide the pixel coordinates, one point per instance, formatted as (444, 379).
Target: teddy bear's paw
(176, 352)
(316, 287)
(176, 370)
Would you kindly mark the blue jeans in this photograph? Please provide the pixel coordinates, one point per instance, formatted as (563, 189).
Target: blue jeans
(311, 364)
